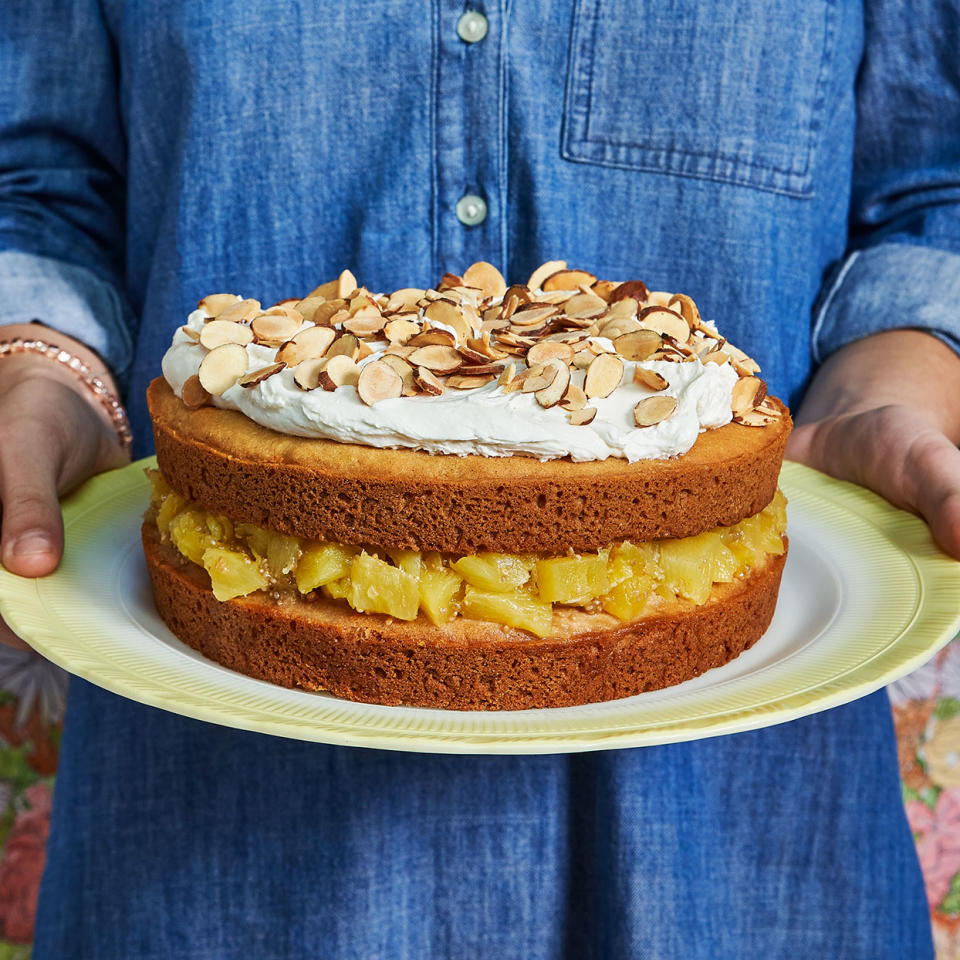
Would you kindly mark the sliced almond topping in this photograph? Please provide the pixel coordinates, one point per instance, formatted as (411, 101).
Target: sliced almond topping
(222, 367)
(486, 277)
(745, 369)
(307, 308)
(400, 331)
(438, 358)
(428, 382)
(482, 369)
(397, 350)
(551, 395)
(687, 308)
(659, 298)
(215, 303)
(718, 357)
(306, 374)
(549, 350)
(406, 371)
(623, 308)
(768, 407)
(604, 288)
(443, 311)
(364, 323)
(405, 298)
(450, 280)
(193, 394)
(539, 378)
(603, 376)
(274, 328)
(748, 392)
(467, 383)
(636, 289)
(474, 356)
(653, 410)
(532, 314)
(307, 345)
(649, 379)
(324, 313)
(580, 418)
(574, 398)
(568, 280)
(379, 381)
(754, 418)
(258, 376)
(583, 358)
(508, 374)
(545, 270)
(638, 345)
(346, 345)
(218, 332)
(665, 321)
(343, 286)
(191, 333)
(443, 337)
(286, 309)
(584, 306)
(242, 311)
(339, 371)
(619, 327)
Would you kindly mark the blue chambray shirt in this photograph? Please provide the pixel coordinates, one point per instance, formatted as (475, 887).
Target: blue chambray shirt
(795, 167)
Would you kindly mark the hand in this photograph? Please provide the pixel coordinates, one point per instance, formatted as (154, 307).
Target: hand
(884, 412)
(52, 438)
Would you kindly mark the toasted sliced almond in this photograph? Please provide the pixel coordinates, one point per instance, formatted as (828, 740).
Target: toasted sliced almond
(486, 277)
(323, 314)
(406, 371)
(482, 369)
(539, 378)
(545, 270)
(546, 350)
(364, 323)
(665, 321)
(215, 303)
(192, 334)
(654, 410)
(379, 381)
(754, 418)
(307, 308)
(687, 308)
(443, 311)
(307, 345)
(568, 280)
(508, 374)
(748, 392)
(659, 298)
(346, 345)
(450, 280)
(604, 288)
(583, 358)
(603, 376)
(193, 393)
(533, 314)
(584, 306)
(343, 286)
(242, 311)
(306, 374)
(620, 327)
(623, 308)
(405, 298)
(574, 398)
(428, 382)
(218, 332)
(649, 379)
(580, 418)
(638, 345)
(635, 289)
(222, 367)
(400, 331)
(550, 396)
(443, 337)
(339, 371)
(438, 358)
(274, 328)
(718, 356)
(255, 377)
(768, 407)
(467, 383)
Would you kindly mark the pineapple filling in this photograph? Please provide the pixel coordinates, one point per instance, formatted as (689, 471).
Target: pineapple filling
(624, 580)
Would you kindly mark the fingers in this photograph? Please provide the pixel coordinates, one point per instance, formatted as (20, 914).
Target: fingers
(9, 639)
(932, 478)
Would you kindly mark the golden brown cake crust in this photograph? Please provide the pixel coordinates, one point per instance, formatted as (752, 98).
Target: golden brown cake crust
(465, 665)
(353, 494)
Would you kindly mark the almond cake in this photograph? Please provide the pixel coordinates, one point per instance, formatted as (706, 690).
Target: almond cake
(475, 496)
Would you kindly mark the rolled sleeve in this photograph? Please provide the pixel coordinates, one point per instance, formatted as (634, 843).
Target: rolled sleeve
(890, 287)
(68, 298)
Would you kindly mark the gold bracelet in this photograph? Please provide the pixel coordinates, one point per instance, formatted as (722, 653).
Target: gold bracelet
(109, 400)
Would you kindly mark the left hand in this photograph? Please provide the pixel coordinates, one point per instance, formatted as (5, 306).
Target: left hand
(884, 412)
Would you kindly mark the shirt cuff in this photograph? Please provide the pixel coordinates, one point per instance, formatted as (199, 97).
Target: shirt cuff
(67, 298)
(891, 286)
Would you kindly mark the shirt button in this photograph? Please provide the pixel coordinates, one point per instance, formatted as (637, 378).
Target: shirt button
(471, 210)
(472, 27)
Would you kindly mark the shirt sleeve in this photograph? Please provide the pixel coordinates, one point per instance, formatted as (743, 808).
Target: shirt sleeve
(62, 176)
(903, 265)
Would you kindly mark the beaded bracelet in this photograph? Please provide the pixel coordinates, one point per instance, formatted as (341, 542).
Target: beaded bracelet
(109, 400)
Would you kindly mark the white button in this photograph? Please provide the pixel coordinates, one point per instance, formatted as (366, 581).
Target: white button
(472, 27)
(471, 210)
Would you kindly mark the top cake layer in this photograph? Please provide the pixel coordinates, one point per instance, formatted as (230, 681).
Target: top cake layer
(565, 366)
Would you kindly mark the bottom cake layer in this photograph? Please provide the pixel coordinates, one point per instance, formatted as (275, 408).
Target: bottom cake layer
(463, 665)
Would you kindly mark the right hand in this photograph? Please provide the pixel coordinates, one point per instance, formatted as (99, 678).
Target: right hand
(52, 438)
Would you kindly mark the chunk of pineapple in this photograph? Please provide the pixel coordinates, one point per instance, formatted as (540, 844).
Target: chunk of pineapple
(513, 609)
(221, 528)
(692, 565)
(190, 535)
(573, 580)
(438, 595)
(380, 587)
(499, 572)
(232, 574)
(171, 504)
(321, 563)
(339, 589)
(408, 560)
(640, 557)
(628, 599)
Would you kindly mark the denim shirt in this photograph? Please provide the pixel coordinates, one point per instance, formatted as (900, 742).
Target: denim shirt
(795, 167)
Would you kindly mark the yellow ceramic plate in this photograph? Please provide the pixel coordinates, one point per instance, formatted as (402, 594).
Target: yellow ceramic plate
(866, 598)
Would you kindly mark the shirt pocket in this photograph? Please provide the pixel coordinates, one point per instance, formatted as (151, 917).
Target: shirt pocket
(728, 90)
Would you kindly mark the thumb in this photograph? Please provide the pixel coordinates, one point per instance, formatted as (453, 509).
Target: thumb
(32, 531)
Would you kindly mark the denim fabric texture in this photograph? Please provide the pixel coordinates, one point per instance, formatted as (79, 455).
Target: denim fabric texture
(795, 167)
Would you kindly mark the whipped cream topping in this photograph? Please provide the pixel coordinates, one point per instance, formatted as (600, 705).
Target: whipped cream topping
(487, 420)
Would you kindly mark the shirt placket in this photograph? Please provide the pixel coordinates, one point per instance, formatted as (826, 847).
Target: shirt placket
(469, 99)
